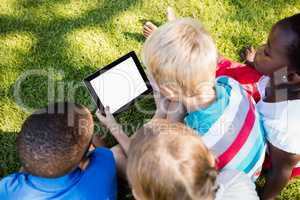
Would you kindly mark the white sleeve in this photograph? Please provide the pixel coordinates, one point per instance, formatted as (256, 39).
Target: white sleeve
(235, 185)
(262, 85)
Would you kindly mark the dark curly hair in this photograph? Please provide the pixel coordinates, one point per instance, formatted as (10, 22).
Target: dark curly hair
(293, 23)
(53, 141)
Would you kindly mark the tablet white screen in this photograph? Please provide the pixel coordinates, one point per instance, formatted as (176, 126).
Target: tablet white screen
(119, 85)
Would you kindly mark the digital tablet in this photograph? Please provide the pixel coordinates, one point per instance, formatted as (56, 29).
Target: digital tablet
(118, 84)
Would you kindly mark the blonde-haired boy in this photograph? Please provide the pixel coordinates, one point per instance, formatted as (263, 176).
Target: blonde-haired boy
(182, 58)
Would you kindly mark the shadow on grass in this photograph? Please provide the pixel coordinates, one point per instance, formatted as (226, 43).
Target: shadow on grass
(258, 10)
(35, 4)
(48, 51)
(9, 161)
(135, 36)
(256, 18)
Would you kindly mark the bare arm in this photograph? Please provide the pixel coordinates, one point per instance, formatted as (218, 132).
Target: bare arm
(121, 160)
(115, 129)
(278, 177)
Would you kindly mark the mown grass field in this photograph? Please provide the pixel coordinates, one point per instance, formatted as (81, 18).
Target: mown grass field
(48, 46)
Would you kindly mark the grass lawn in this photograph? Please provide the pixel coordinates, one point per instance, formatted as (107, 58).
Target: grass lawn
(59, 42)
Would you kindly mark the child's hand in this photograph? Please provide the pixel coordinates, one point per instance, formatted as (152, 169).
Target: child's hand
(108, 120)
(115, 128)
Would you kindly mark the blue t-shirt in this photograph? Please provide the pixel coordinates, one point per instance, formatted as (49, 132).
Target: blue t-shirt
(97, 181)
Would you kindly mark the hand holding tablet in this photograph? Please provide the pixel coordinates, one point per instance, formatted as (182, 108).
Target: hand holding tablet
(118, 84)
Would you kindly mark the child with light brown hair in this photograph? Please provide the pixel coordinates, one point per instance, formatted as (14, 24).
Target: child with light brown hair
(168, 161)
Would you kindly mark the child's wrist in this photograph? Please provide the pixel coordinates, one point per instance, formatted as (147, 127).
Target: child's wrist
(250, 63)
(116, 129)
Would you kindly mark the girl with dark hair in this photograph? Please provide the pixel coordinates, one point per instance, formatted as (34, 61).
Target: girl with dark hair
(279, 60)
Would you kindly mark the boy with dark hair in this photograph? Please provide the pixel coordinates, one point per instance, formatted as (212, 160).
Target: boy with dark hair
(53, 146)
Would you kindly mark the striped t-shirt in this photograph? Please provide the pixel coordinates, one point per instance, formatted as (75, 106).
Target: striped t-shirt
(231, 128)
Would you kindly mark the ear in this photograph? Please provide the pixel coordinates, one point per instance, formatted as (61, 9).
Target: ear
(134, 195)
(84, 164)
(152, 81)
(212, 159)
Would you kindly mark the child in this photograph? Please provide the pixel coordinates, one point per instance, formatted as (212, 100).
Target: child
(169, 161)
(53, 147)
(182, 59)
(280, 60)
(245, 74)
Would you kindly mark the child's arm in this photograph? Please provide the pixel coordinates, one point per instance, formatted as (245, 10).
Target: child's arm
(121, 160)
(115, 129)
(282, 167)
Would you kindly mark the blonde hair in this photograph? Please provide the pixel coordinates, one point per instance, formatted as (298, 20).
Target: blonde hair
(183, 53)
(169, 161)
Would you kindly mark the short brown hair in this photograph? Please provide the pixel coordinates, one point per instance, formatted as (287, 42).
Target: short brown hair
(169, 161)
(53, 140)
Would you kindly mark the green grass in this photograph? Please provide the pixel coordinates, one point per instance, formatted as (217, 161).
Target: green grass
(65, 40)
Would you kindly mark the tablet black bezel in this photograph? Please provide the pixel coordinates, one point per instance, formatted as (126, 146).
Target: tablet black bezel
(95, 97)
